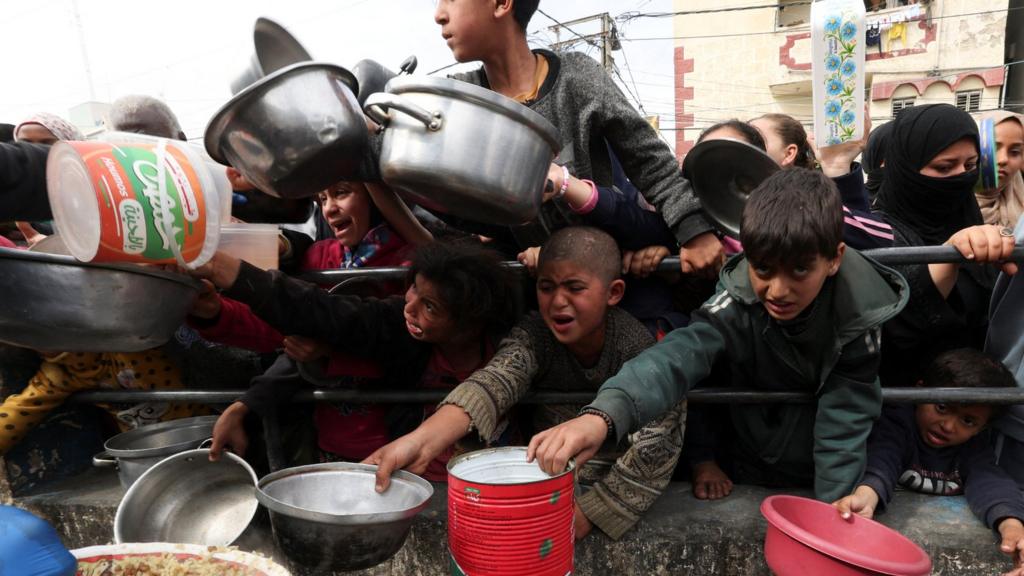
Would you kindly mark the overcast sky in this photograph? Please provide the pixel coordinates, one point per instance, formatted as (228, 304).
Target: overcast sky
(186, 52)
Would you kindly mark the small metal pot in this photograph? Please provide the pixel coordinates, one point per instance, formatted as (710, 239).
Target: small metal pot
(275, 49)
(53, 302)
(188, 499)
(293, 133)
(328, 517)
(461, 149)
(373, 77)
(136, 451)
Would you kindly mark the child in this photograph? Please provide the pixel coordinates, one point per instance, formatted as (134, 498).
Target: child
(787, 316)
(578, 339)
(944, 449)
(460, 301)
(581, 100)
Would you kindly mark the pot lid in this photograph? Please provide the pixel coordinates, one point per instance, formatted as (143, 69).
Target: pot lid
(161, 439)
(723, 173)
(479, 95)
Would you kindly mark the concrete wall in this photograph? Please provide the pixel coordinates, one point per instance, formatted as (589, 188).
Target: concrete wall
(763, 65)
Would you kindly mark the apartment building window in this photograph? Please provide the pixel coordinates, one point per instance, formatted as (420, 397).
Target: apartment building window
(968, 100)
(901, 104)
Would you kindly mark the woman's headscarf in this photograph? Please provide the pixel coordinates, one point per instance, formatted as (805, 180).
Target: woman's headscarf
(1003, 208)
(59, 127)
(934, 208)
(874, 153)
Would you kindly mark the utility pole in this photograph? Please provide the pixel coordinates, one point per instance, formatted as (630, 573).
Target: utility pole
(607, 40)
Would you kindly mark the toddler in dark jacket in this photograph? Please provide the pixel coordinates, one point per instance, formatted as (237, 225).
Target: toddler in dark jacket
(944, 449)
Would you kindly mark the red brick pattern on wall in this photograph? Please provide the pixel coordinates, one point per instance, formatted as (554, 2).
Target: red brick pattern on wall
(684, 93)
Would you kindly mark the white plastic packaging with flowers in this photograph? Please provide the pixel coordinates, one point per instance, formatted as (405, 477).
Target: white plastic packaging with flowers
(837, 57)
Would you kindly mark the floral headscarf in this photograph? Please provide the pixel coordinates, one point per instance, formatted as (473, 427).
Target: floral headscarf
(59, 127)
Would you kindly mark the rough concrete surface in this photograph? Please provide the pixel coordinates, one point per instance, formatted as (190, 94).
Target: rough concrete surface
(680, 535)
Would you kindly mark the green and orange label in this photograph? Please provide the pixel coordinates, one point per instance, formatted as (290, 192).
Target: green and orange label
(149, 197)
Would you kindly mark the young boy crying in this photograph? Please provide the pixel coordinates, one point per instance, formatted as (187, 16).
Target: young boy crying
(578, 339)
(798, 312)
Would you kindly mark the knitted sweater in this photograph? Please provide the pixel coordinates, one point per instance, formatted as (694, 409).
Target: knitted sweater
(626, 484)
(588, 109)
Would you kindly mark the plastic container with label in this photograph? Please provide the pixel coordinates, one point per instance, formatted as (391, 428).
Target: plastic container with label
(136, 198)
(837, 70)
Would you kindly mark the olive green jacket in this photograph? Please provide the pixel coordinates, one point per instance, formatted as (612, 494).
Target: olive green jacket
(832, 350)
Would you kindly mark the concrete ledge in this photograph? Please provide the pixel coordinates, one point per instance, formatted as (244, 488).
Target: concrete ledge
(681, 535)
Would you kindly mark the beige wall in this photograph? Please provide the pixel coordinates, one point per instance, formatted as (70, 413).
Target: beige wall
(743, 76)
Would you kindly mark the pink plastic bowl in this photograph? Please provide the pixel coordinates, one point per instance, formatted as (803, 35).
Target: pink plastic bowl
(807, 537)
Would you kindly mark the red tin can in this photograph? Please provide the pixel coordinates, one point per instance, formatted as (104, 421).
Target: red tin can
(507, 517)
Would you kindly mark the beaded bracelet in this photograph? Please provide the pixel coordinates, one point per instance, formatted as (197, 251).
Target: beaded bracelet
(603, 416)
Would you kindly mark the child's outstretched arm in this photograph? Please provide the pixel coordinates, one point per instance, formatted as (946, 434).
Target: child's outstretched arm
(417, 449)
(1011, 531)
(579, 439)
(862, 502)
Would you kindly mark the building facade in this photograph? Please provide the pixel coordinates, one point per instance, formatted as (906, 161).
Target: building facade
(741, 59)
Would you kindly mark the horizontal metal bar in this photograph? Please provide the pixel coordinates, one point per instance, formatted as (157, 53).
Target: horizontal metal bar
(419, 396)
(888, 256)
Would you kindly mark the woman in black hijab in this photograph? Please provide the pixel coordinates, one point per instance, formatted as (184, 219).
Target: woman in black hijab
(931, 158)
(873, 157)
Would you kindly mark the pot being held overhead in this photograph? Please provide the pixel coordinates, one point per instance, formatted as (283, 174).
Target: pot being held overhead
(461, 149)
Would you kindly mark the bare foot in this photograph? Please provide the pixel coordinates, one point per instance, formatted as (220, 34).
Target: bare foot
(710, 482)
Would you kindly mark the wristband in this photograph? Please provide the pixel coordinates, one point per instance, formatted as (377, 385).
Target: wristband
(603, 416)
(565, 183)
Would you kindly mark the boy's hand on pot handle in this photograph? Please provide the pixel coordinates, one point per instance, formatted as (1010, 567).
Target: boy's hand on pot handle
(579, 438)
(230, 431)
(406, 453)
(221, 270)
(702, 255)
(862, 502)
(208, 304)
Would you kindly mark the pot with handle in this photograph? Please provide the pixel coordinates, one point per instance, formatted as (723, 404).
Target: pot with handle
(136, 451)
(460, 149)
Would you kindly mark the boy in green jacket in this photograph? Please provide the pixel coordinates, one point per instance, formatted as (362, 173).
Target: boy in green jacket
(786, 317)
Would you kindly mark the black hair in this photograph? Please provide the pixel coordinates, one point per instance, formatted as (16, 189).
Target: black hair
(475, 288)
(750, 134)
(523, 10)
(6, 132)
(968, 368)
(792, 132)
(793, 216)
(592, 249)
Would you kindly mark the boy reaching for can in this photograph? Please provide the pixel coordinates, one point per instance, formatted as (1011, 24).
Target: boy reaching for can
(797, 312)
(577, 340)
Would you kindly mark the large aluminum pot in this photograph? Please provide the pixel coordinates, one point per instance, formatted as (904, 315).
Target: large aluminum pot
(293, 133)
(275, 49)
(136, 451)
(461, 149)
(186, 498)
(53, 302)
(328, 517)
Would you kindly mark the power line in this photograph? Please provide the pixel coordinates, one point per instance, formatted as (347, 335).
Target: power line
(627, 16)
(790, 30)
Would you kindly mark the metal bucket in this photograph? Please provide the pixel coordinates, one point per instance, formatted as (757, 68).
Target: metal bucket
(508, 517)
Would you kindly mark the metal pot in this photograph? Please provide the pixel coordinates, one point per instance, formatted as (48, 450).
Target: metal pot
(462, 149)
(373, 76)
(136, 451)
(293, 133)
(328, 517)
(53, 302)
(723, 173)
(186, 498)
(275, 49)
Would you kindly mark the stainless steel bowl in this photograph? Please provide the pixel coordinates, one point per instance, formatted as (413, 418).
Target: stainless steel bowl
(51, 302)
(293, 133)
(188, 499)
(275, 49)
(328, 516)
(136, 451)
(462, 149)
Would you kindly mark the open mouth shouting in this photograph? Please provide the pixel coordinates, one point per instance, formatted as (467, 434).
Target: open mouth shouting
(562, 322)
